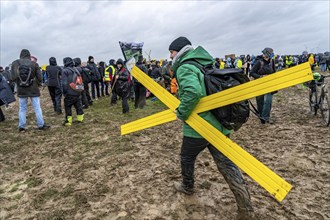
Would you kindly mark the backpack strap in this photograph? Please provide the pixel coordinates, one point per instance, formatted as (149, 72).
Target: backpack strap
(196, 64)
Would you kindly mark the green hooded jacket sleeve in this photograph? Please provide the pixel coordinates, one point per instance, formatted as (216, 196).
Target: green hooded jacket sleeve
(192, 88)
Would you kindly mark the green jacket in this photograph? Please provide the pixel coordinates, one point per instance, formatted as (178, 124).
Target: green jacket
(192, 88)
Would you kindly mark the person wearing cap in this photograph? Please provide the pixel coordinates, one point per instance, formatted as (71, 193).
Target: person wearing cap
(121, 84)
(191, 89)
(32, 91)
(264, 66)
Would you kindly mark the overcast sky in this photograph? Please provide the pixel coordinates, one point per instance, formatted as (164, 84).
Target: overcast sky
(83, 28)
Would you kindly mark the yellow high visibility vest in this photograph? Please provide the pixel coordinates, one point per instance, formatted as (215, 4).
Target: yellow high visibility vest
(107, 77)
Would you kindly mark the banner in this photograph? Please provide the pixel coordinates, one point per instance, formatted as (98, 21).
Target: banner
(131, 49)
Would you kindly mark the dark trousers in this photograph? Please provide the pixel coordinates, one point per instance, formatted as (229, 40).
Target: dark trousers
(114, 97)
(84, 99)
(2, 116)
(124, 103)
(88, 96)
(55, 93)
(95, 86)
(140, 95)
(190, 149)
(69, 101)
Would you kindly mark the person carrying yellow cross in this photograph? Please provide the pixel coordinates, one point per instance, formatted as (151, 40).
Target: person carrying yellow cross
(191, 89)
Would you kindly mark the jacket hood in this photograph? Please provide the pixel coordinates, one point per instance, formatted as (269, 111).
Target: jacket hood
(52, 61)
(77, 61)
(120, 61)
(199, 55)
(68, 62)
(112, 62)
(25, 54)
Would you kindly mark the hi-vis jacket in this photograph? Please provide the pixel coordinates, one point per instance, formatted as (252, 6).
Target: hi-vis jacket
(109, 73)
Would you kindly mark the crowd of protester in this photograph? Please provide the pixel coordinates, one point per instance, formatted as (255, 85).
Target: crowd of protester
(113, 80)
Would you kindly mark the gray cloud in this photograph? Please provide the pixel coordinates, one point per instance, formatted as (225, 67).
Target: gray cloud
(83, 28)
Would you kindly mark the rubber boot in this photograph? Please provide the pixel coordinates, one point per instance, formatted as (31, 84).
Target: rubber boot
(80, 118)
(68, 121)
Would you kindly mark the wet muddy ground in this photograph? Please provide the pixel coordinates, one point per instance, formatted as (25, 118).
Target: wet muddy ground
(89, 171)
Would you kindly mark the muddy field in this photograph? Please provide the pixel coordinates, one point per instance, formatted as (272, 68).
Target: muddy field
(89, 171)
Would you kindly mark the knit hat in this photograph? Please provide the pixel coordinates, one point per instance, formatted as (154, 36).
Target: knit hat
(179, 43)
(89, 58)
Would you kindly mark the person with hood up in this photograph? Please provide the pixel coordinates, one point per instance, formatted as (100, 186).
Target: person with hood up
(71, 97)
(96, 77)
(104, 88)
(191, 89)
(29, 90)
(87, 78)
(53, 72)
(122, 85)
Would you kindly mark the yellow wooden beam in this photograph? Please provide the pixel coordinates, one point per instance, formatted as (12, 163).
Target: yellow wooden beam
(269, 180)
(270, 83)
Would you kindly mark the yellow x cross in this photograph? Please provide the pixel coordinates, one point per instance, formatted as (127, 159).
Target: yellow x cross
(269, 180)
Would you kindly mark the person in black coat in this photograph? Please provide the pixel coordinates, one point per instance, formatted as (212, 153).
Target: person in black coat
(6, 95)
(96, 77)
(53, 72)
(139, 89)
(264, 66)
(122, 85)
(71, 97)
(31, 91)
(87, 78)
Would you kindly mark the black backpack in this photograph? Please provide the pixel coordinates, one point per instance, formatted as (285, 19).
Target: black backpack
(25, 78)
(232, 116)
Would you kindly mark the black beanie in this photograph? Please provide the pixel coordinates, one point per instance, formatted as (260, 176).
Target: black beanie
(89, 58)
(179, 43)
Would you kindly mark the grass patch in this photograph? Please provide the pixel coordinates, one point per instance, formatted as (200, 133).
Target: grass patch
(43, 197)
(33, 182)
(67, 191)
(18, 196)
(206, 185)
(14, 188)
(9, 149)
(80, 200)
